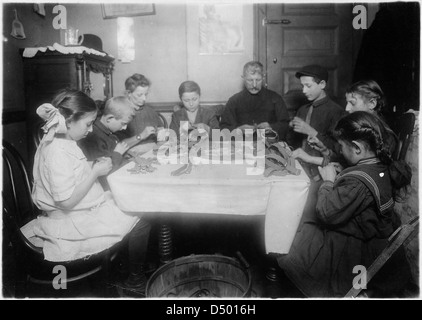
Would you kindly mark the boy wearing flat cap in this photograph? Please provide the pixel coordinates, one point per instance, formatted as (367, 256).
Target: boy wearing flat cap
(317, 118)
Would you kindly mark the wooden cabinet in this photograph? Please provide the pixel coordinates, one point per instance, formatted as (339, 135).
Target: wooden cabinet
(48, 72)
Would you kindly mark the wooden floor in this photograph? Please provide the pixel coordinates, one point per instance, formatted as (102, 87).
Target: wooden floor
(191, 235)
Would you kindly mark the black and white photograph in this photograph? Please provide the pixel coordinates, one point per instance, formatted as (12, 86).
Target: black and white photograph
(209, 152)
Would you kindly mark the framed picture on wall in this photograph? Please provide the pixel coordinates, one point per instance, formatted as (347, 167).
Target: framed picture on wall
(115, 10)
(220, 29)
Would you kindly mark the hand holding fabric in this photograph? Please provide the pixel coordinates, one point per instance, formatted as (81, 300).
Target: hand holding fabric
(203, 126)
(299, 125)
(264, 125)
(121, 147)
(328, 173)
(318, 145)
(246, 126)
(147, 132)
(301, 154)
(102, 166)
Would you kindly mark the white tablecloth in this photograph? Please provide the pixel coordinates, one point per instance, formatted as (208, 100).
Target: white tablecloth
(217, 189)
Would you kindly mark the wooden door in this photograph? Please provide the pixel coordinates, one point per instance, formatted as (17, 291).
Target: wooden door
(290, 36)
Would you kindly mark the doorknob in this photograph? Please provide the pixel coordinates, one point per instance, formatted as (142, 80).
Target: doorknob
(275, 60)
(265, 21)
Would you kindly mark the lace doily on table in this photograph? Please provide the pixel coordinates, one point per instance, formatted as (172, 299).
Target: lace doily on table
(31, 52)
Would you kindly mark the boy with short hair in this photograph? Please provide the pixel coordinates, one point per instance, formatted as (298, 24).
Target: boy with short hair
(102, 141)
(317, 118)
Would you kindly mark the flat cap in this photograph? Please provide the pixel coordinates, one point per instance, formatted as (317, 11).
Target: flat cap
(313, 71)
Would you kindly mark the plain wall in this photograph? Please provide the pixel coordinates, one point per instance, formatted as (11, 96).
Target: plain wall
(39, 32)
(166, 50)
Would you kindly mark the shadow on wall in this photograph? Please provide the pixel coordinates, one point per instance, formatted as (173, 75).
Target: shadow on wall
(294, 99)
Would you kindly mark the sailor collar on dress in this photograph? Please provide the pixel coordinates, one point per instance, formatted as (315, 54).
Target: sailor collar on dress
(372, 160)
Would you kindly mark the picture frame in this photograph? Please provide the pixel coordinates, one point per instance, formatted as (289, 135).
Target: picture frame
(115, 10)
(220, 28)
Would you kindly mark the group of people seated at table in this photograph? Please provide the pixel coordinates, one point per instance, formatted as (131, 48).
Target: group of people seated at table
(346, 152)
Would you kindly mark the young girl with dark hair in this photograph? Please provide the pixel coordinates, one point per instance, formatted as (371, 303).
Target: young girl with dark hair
(354, 213)
(79, 218)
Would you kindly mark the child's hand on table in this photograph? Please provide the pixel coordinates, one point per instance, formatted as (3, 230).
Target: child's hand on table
(121, 147)
(162, 134)
(242, 128)
(264, 125)
(147, 132)
(203, 126)
(102, 166)
(301, 154)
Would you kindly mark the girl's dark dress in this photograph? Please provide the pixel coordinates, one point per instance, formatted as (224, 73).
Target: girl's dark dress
(354, 221)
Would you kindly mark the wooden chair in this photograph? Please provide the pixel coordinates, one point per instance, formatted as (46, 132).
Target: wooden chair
(218, 110)
(163, 119)
(401, 237)
(404, 129)
(31, 267)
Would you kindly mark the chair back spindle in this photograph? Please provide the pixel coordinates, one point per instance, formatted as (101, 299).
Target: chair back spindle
(404, 129)
(16, 185)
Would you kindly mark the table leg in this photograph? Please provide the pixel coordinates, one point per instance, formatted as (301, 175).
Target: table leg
(273, 288)
(272, 273)
(165, 244)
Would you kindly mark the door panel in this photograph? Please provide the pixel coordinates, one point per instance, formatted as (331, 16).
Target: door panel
(295, 35)
(308, 42)
(308, 9)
